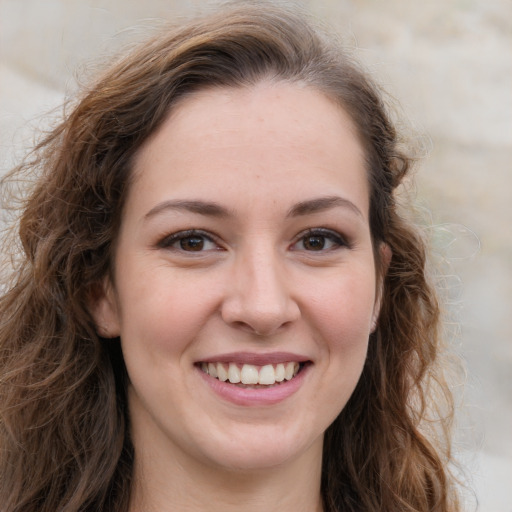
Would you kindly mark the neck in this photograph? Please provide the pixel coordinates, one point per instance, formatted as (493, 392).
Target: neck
(182, 484)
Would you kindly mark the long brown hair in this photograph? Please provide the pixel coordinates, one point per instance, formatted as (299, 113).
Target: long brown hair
(64, 428)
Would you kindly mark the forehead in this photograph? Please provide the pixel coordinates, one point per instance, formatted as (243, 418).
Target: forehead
(251, 140)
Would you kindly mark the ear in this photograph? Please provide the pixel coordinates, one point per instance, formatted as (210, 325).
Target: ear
(385, 259)
(104, 310)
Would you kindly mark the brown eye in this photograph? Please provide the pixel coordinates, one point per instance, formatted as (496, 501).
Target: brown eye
(314, 243)
(192, 243)
(189, 241)
(319, 240)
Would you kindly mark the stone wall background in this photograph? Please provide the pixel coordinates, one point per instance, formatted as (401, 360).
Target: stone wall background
(449, 62)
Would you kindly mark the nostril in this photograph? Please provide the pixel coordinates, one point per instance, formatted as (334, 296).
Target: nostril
(258, 329)
(258, 297)
(261, 318)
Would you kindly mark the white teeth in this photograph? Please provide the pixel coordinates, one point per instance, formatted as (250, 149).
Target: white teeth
(212, 369)
(249, 374)
(234, 374)
(267, 375)
(289, 370)
(222, 374)
(280, 372)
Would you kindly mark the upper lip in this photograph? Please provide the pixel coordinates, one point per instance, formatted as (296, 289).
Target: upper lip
(257, 359)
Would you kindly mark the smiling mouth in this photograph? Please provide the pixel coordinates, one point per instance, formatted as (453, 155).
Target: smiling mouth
(253, 375)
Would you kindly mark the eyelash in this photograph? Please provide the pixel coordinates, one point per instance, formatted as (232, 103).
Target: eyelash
(323, 234)
(334, 237)
(169, 241)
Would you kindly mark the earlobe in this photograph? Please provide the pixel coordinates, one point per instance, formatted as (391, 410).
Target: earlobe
(103, 308)
(385, 259)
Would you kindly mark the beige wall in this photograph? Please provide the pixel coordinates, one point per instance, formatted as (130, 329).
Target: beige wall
(449, 62)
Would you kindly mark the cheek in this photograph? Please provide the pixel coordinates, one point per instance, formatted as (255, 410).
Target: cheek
(162, 312)
(344, 314)
(343, 307)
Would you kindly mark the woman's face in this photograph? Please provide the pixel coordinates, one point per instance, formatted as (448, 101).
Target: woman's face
(244, 253)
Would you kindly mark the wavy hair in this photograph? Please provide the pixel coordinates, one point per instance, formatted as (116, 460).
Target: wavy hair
(64, 427)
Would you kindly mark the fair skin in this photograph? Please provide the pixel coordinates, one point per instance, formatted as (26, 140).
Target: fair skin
(244, 241)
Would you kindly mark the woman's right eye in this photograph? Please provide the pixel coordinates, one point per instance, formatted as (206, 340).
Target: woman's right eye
(189, 241)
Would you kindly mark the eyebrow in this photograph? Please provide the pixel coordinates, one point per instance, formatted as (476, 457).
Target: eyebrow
(201, 207)
(213, 209)
(321, 204)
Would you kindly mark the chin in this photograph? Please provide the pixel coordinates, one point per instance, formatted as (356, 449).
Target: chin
(253, 463)
(263, 452)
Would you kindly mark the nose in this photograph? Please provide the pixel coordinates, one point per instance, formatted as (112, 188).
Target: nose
(258, 298)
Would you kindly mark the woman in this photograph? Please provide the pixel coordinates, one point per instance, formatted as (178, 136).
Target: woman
(219, 305)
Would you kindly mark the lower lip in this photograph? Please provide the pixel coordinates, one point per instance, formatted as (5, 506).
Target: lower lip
(255, 396)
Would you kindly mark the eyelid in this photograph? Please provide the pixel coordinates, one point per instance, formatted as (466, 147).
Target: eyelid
(333, 235)
(337, 238)
(167, 241)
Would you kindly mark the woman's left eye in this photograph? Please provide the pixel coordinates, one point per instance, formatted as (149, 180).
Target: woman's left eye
(189, 241)
(318, 240)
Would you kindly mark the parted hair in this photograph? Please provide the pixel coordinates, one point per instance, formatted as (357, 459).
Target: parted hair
(64, 426)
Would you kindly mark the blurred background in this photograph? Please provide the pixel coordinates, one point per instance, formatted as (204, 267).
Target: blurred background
(449, 64)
